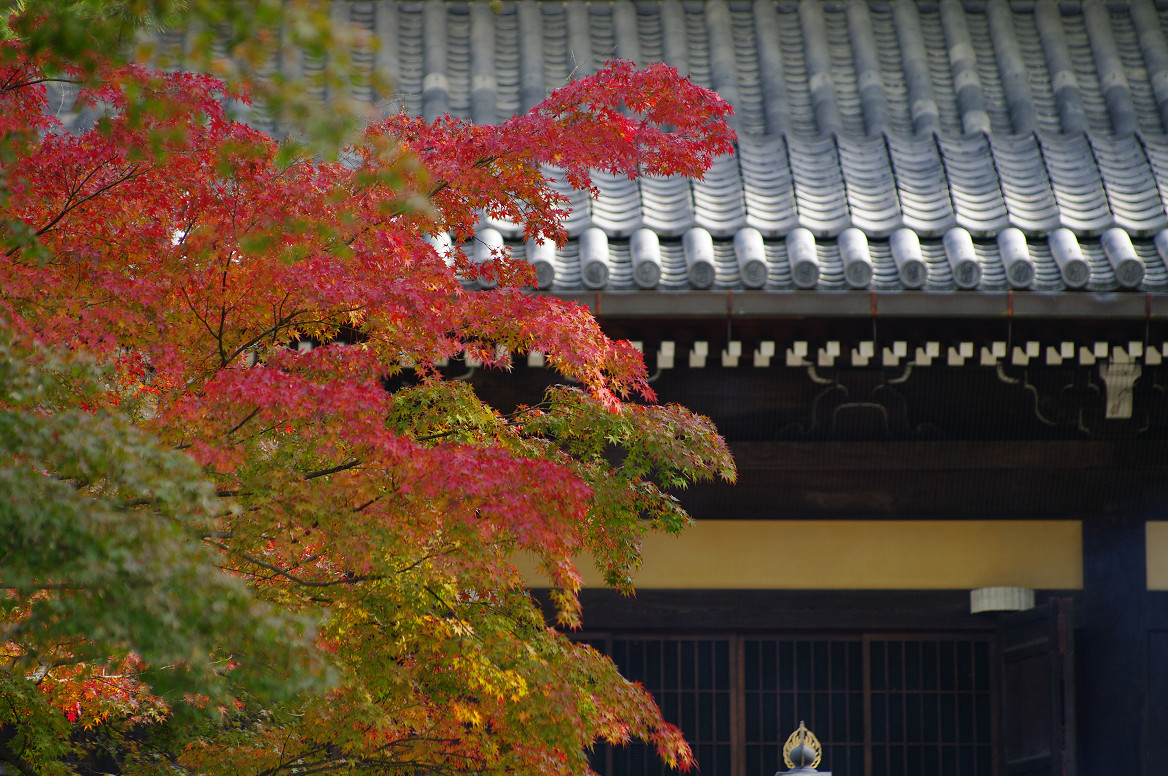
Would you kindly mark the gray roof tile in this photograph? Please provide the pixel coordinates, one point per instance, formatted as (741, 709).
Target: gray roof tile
(719, 205)
(1076, 183)
(922, 189)
(820, 196)
(1025, 184)
(667, 205)
(995, 145)
(618, 209)
(974, 187)
(768, 187)
(1130, 186)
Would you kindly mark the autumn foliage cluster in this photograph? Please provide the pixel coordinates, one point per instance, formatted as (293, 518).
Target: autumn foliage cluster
(247, 522)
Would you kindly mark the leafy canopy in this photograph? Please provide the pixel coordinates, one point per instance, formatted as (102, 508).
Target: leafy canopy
(249, 524)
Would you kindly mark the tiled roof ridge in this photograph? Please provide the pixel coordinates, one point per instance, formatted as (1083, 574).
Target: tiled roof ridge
(795, 68)
(798, 67)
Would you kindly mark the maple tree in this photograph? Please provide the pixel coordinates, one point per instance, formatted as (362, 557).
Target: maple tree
(223, 418)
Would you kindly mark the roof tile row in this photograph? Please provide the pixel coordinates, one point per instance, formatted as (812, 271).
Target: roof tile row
(885, 145)
(805, 67)
(1036, 183)
(903, 261)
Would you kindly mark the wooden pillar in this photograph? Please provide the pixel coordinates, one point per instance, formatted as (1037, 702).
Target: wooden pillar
(1112, 643)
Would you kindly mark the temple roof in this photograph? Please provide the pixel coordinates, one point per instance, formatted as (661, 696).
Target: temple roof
(942, 151)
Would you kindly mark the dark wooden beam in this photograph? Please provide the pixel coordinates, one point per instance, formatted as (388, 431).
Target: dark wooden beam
(935, 480)
(676, 611)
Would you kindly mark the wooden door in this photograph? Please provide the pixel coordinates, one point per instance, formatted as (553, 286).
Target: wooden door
(1038, 690)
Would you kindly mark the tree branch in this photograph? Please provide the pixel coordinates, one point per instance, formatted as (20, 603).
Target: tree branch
(351, 464)
(243, 422)
(347, 579)
(10, 757)
(71, 205)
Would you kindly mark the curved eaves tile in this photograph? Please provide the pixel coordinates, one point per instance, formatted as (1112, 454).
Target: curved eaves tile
(567, 264)
(974, 186)
(650, 34)
(674, 274)
(1024, 182)
(1047, 275)
(1156, 149)
(920, 183)
(778, 266)
(718, 198)
(579, 205)
(1102, 277)
(752, 105)
(1131, 188)
(940, 277)
(408, 70)
(620, 266)
(794, 61)
(508, 228)
(1077, 185)
(668, 205)
(870, 185)
(1156, 275)
(768, 189)
(819, 186)
(726, 274)
(885, 275)
(831, 266)
(618, 208)
(940, 69)
(993, 271)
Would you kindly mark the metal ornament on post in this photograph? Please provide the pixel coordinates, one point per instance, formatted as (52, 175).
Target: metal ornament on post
(802, 753)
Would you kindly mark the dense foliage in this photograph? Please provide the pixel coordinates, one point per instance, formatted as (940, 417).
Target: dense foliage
(247, 525)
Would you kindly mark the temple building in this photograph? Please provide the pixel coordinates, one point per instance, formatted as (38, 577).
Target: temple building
(926, 302)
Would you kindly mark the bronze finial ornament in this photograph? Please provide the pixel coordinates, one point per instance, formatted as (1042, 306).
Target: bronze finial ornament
(802, 749)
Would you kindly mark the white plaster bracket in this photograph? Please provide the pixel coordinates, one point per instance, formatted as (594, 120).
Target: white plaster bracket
(732, 353)
(797, 354)
(863, 354)
(764, 353)
(698, 354)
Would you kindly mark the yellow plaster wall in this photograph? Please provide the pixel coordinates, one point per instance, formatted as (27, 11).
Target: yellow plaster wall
(852, 554)
(1157, 548)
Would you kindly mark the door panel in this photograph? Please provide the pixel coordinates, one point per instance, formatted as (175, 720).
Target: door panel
(1038, 692)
